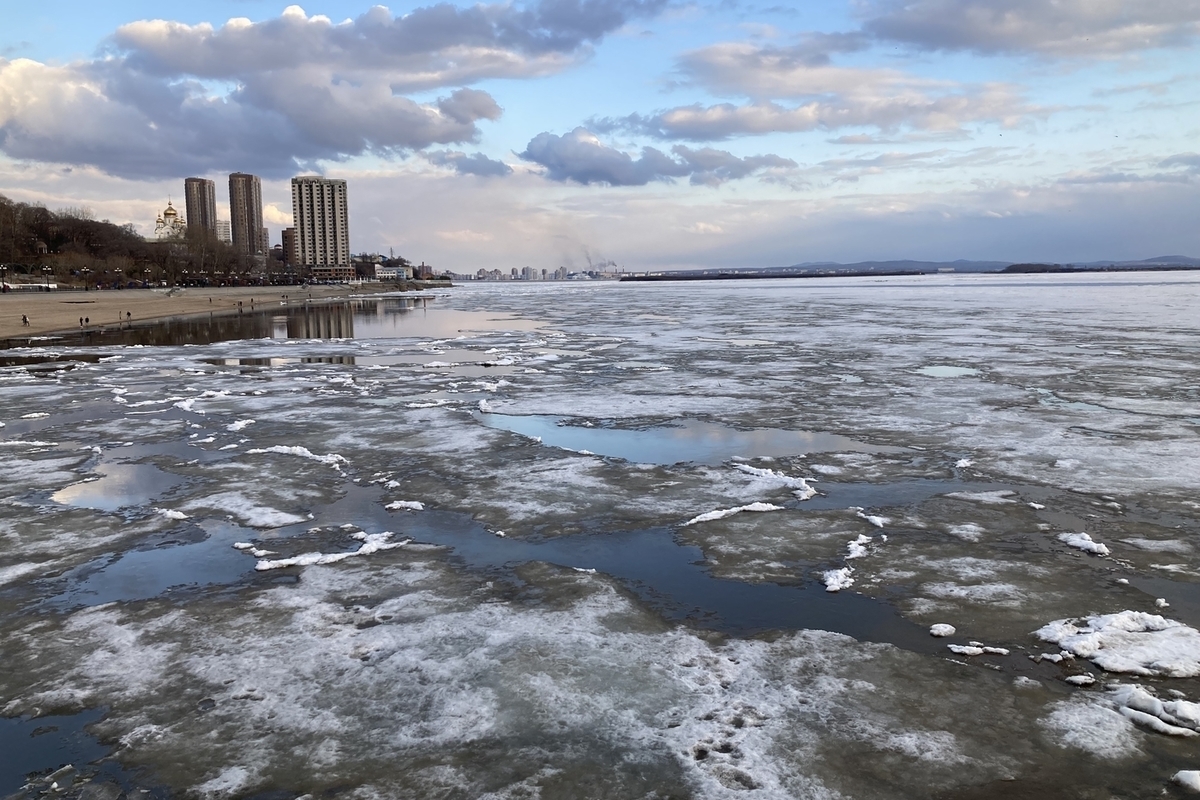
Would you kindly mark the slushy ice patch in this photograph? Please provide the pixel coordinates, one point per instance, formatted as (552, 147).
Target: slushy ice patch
(410, 679)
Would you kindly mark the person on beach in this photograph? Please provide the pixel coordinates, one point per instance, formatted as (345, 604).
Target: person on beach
(81, 322)
(25, 320)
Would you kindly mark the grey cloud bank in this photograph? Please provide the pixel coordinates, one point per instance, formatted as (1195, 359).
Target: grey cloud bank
(1076, 28)
(581, 157)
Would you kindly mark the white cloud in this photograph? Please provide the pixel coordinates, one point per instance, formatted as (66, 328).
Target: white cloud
(301, 88)
(829, 97)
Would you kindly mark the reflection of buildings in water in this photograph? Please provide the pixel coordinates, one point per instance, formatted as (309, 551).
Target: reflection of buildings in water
(402, 305)
(321, 322)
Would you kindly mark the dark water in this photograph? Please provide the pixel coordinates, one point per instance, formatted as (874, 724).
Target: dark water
(58, 749)
(669, 576)
(146, 573)
(687, 440)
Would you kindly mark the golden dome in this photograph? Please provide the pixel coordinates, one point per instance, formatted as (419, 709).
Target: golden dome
(170, 212)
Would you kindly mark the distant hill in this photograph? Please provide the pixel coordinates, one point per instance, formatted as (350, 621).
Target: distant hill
(1182, 261)
(815, 269)
(961, 265)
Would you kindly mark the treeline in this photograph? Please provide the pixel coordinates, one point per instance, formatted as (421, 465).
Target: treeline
(80, 249)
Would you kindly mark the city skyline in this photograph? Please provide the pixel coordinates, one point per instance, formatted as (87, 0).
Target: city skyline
(635, 131)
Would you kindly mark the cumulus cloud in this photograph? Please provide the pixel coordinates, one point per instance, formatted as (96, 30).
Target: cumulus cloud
(581, 157)
(1061, 28)
(463, 164)
(168, 98)
(819, 95)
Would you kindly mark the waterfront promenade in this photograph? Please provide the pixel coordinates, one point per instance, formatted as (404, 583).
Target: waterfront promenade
(58, 311)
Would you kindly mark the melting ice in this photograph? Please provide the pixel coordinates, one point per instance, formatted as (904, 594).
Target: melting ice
(266, 566)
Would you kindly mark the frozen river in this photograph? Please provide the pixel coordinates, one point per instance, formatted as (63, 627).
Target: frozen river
(614, 541)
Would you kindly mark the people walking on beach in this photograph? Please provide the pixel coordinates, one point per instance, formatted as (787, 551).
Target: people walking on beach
(81, 322)
(25, 320)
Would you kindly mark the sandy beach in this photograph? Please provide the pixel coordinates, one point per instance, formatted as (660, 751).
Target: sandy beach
(54, 312)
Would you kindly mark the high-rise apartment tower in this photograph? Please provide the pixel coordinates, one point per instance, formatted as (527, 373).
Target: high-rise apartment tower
(200, 197)
(245, 213)
(321, 220)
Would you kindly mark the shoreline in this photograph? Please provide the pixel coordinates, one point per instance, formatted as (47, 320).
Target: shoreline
(58, 312)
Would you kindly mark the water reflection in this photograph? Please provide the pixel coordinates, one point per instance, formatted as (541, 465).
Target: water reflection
(121, 486)
(374, 318)
(688, 440)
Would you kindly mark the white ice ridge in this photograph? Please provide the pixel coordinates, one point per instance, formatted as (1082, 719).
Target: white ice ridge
(1129, 641)
(976, 649)
(837, 579)
(332, 459)
(170, 513)
(1001, 497)
(1188, 779)
(800, 485)
(858, 548)
(247, 547)
(411, 505)
(371, 543)
(1172, 717)
(241, 424)
(1084, 542)
(877, 521)
(721, 513)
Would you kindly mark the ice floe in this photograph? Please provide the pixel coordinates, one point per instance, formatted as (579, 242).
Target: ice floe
(1084, 542)
(410, 505)
(239, 425)
(1129, 641)
(941, 629)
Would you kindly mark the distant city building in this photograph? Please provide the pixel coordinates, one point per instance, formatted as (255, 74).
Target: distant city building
(319, 211)
(200, 198)
(169, 224)
(245, 211)
(223, 233)
(264, 239)
(291, 256)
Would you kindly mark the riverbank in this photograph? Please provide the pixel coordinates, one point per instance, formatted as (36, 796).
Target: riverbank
(57, 312)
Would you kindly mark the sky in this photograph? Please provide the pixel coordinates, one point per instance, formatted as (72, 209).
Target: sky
(649, 134)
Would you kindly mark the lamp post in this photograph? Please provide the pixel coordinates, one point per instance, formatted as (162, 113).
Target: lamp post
(46, 274)
(86, 272)
(3, 276)
(146, 277)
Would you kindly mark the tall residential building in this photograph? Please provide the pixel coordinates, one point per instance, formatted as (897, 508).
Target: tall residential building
(291, 256)
(223, 232)
(200, 196)
(245, 212)
(322, 224)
